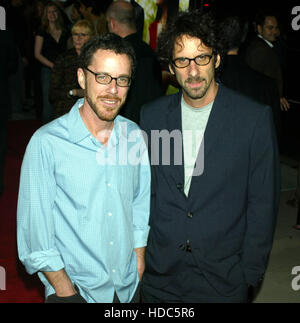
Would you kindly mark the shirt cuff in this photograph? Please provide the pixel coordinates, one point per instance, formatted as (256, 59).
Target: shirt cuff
(46, 260)
(140, 238)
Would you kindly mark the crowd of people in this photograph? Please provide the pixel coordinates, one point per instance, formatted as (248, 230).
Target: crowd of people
(43, 34)
(101, 232)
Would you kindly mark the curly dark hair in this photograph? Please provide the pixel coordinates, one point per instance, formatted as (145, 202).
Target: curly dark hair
(233, 32)
(107, 41)
(193, 24)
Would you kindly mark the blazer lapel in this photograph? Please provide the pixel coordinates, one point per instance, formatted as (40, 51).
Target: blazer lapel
(216, 125)
(174, 124)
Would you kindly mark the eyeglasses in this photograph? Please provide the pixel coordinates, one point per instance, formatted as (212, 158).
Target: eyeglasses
(200, 60)
(103, 78)
(80, 35)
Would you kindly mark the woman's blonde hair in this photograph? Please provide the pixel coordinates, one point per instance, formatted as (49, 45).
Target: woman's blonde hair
(59, 23)
(86, 24)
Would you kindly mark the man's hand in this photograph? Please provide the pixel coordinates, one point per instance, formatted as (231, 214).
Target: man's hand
(284, 104)
(78, 92)
(140, 257)
(65, 291)
(61, 283)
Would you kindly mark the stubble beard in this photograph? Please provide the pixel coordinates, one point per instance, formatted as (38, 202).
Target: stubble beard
(112, 112)
(196, 93)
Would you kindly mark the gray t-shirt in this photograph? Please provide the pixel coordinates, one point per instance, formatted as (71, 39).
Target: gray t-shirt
(194, 122)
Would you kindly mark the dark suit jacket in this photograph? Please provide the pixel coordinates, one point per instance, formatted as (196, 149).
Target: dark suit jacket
(147, 82)
(262, 58)
(229, 215)
(237, 75)
(139, 18)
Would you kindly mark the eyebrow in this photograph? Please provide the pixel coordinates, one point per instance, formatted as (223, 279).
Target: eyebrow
(201, 53)
(121, 75)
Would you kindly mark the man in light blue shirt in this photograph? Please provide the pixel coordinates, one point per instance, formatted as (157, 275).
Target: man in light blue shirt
(84, 195)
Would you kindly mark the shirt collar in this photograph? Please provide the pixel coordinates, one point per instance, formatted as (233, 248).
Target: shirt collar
(269, 43)
(78, 131)
(76, 127)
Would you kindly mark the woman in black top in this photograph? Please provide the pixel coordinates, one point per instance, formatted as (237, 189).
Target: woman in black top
(50, 41)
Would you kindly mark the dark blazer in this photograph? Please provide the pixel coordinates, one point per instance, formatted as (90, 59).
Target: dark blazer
(147, 82)
(237, 75)
(262, 58)
(229, 215)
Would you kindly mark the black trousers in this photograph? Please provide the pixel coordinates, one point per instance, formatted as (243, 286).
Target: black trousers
(189, 286)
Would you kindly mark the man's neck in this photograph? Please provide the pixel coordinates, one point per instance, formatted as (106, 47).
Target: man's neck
(124, 32)
(100, 129)
(268, 42)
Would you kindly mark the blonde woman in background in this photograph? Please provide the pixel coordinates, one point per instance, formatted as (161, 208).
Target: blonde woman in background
(64, 88)
(50, 41)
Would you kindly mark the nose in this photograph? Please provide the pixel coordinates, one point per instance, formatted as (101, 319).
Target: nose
(193, 69)
(112, 87)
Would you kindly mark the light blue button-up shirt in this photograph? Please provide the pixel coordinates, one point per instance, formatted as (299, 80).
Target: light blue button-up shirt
(84, 207)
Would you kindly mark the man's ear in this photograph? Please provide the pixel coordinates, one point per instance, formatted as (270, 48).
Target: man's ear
(112, 25)
(81, 78)
(259, 29)
(171, 69)
(218, 61)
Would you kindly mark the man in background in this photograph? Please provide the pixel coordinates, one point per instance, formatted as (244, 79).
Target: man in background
(261, 56)
(147, 81)
(237, 75)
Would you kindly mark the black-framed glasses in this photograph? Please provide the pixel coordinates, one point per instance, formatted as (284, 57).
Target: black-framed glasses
(200, 60)
(80, 34)
(104, 78)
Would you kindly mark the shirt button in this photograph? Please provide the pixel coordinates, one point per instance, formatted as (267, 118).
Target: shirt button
(190, 215)
(182, 247)
(113, 270)
(111, 243)
(109, 214)
(179, 186)
(108, 184)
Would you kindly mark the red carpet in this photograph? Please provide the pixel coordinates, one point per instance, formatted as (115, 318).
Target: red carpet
(20, 286)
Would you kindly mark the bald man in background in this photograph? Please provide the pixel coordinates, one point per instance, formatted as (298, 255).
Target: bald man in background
(147, 81)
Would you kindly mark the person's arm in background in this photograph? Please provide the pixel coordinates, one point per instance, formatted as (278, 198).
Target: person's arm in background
(284, 104)
(59, 87)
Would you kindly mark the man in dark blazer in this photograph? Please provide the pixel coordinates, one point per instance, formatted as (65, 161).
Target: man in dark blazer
(147, 81)
(8, 65)
(261, 56)
(212, 224)
(237, 75)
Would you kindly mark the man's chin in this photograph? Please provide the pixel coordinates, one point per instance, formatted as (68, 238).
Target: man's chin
(195, 94)
(108, 116)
